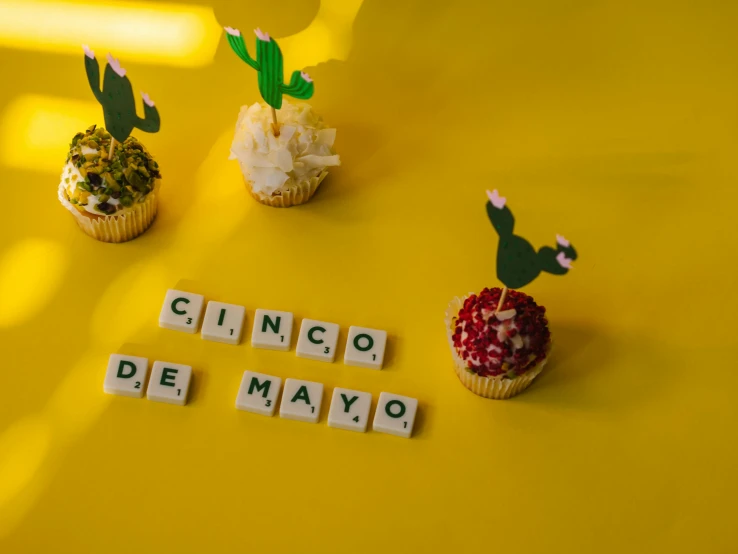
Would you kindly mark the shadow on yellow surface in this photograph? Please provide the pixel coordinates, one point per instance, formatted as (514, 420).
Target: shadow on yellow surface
(613, 123)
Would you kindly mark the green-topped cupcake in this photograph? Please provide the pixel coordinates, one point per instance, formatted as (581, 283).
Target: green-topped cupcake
(113, 198)
(110, 181)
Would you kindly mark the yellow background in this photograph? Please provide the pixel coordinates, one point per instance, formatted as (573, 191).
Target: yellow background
(610, 122)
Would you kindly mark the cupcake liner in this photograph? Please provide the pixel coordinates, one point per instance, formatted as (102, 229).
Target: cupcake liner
(498, 387)
(294, 195)
(115, 228)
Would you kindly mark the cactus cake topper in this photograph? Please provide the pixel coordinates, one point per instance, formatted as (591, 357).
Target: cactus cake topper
(269, 65)
(117, 99)
(518, 263)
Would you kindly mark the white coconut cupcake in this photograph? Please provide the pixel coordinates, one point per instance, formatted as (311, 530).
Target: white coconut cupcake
(283, 170)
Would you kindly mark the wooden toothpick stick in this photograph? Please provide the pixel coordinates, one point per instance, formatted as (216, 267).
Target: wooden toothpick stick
(112, 147)
(503, 296)
(275, 123)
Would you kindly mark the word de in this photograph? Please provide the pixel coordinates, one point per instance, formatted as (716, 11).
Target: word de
(126, 376)
(272, 329)
(259, 392)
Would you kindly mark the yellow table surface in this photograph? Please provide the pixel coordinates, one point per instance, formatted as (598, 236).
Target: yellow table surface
(613, 123)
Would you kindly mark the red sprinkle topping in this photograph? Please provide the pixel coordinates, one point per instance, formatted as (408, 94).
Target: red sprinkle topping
(489, 346)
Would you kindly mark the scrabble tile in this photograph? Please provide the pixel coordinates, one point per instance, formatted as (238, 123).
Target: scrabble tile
(365, 347)
(169, 383)
(349, 410)
(126, 375)
(395, 414)
(258, 393)
(223, 322)
(181, 311)
(301, 400)
(272, 330)
(317, 340)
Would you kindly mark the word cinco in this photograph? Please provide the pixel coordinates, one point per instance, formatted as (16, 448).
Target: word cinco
(272, 330)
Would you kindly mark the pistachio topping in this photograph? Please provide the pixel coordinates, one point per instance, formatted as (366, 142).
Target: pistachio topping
(106, 185)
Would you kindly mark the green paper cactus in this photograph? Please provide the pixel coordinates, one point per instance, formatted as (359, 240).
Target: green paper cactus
(518, 263)
(269, 65)
(117, 100)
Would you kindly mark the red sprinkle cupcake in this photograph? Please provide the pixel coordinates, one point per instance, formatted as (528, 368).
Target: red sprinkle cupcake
(497, 354)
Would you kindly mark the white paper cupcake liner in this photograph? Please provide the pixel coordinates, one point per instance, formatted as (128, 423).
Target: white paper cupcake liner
(115, 228)
(293, 195)
(498, 387)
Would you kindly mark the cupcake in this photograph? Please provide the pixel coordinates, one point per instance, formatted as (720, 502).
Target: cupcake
(283, 149)
(499, 338)
(109, 182)
(112, 199)
(283, 170)
(497, 349)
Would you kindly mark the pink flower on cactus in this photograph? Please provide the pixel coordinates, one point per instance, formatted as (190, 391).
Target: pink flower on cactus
(89, 53)
(497, 200)
(563, 260)
(261, 35)
(232, 31)
(149, 102)
(562, 241)
(306, 76)
(115, 64)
